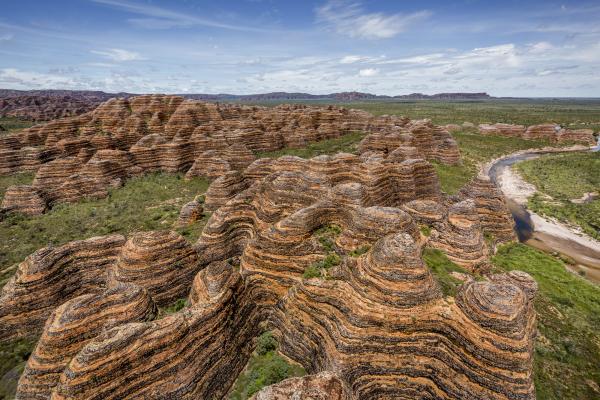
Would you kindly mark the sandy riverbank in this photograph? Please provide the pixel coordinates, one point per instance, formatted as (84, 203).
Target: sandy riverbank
(515, 188)
(547, 234)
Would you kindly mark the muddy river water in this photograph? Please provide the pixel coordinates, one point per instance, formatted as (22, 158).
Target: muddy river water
(547, 235)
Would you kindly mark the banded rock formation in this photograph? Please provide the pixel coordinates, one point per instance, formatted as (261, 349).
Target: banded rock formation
(429, 141)
(71, 326)
(86, 155)
(330, 261)
(378, 322)
(551, 132)
(161, 262)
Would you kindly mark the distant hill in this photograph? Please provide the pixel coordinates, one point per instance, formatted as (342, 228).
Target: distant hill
(342, 96)
(95, 95)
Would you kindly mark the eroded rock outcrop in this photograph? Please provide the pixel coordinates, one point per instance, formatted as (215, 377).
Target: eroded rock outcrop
(322, 386)
(45, 108)
(384, 302)
(326, 253)
(550, 132)
(51, 276)
(85, 156)
(74, 324)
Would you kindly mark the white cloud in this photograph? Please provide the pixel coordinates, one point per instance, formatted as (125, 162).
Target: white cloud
(15, 78)
(368, 72)
(6, 37)
(350, 19)
(119, 54)
(540, 47)
(351, 59)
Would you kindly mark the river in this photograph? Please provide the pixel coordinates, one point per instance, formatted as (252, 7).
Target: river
(537, 231)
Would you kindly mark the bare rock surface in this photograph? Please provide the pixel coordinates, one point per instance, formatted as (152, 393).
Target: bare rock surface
(323, 386)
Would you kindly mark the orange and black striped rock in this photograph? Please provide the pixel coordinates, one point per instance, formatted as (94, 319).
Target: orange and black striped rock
(168, 133)
(74, 324)
(162, 262)
(378, 320)
(491, 207)
(51, 276)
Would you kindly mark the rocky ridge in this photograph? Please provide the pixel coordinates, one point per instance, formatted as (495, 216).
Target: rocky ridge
(45, 108)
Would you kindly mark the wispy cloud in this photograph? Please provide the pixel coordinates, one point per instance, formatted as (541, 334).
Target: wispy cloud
(368, 72)
(353, 59)
(119, 55)
(351, 19)
(161, 18)
(6, 37)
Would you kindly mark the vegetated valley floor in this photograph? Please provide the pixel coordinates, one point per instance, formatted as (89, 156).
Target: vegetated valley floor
(567, 352)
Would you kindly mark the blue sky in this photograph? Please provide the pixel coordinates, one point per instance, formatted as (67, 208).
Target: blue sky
(507, 48)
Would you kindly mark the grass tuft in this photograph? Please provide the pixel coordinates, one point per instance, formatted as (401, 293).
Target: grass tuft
(266, 367)
(441, 267)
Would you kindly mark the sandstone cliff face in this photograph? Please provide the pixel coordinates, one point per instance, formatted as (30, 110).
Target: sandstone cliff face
(86, 155)
(551, 132)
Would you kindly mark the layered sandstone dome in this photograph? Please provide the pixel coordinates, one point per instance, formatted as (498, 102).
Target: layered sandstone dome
(85, 156)
(368, 322)
(326, 253)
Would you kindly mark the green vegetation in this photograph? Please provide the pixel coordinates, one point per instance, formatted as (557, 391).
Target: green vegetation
(360, 251)
(475, 149)
(178, 305)
(15, 179)
(345, 144)
(567, 349)
(325, 235)
(425, 230)
(266, 367)
(13, 356)
(14, 124)
(561, 179)
(151, 202)
(577, 113)
(441, 267)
